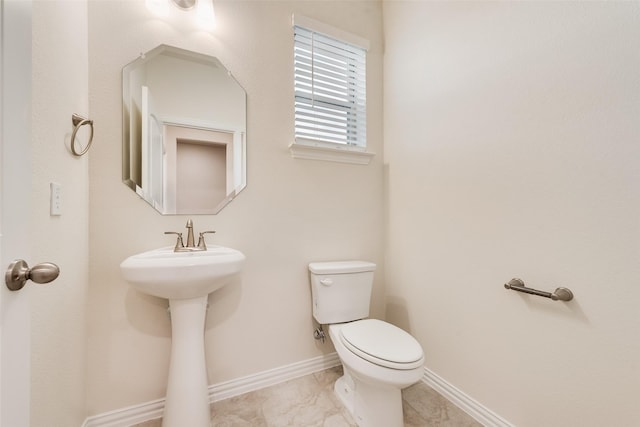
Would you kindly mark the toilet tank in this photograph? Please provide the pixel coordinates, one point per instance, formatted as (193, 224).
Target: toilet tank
(341, 290)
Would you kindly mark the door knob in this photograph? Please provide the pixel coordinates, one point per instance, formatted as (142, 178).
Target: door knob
(19, 272)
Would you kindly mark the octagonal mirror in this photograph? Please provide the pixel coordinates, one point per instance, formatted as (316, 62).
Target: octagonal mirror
(184, 131)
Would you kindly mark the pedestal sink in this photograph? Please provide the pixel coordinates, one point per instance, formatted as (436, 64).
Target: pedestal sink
(185, 279)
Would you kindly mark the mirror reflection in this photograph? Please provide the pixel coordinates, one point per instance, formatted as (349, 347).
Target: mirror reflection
(184, 131)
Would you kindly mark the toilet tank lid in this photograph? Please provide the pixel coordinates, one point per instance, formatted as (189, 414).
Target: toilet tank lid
(338, 267)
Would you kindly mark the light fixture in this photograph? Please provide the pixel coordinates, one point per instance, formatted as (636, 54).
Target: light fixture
(185, 4)
(204, 14)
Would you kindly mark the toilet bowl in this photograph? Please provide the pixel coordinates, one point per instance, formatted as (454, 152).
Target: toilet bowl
(378, 358)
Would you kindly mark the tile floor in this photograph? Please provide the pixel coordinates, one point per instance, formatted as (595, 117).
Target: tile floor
(310, 402)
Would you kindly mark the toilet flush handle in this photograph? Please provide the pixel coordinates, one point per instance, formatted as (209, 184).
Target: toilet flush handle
(326, 282)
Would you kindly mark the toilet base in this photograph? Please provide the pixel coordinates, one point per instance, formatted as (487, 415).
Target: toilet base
(344, 391)
(371, 405)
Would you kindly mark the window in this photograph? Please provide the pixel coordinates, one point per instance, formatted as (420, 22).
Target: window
(330, 89)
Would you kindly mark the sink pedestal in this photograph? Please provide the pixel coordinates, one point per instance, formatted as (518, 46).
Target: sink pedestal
(187, 402)
(185, 278)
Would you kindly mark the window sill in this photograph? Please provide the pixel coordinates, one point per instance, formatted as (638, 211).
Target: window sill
(340, 154)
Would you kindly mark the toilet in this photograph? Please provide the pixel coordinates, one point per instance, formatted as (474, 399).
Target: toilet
(378, 358)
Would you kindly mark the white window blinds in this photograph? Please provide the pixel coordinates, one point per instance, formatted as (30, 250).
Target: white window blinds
(330, 90)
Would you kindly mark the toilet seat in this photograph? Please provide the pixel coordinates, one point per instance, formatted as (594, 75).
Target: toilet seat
(382, 343)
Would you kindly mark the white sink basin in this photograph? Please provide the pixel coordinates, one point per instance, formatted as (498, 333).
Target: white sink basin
(181, 275)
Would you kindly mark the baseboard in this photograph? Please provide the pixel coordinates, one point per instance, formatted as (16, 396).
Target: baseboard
(136, 414)
(125, 417)
(271, 377)
(475, 409)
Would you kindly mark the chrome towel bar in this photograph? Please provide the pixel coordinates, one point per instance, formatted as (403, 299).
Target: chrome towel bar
(562, 294)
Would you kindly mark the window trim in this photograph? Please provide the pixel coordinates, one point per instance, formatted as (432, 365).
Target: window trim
(303, 148)
(342, 153)
(328, 30)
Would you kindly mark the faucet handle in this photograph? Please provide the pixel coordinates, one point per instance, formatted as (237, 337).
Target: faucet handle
(179, 243)
(201, 243)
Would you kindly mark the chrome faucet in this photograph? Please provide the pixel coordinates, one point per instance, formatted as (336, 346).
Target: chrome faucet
(190, 247)
(190, 234)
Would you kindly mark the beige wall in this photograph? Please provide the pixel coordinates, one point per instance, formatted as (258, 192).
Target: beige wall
(511, 147)
(292, 211)
(58, 322)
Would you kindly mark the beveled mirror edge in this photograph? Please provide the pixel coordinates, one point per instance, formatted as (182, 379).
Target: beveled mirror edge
(126, 143)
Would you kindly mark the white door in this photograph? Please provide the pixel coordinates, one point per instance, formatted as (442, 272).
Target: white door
(152, 152)
(15, 194)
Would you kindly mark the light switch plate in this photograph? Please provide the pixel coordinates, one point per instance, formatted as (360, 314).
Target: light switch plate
(56, 199)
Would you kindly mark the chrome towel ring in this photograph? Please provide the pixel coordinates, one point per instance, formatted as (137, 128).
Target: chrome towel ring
(78, 122)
